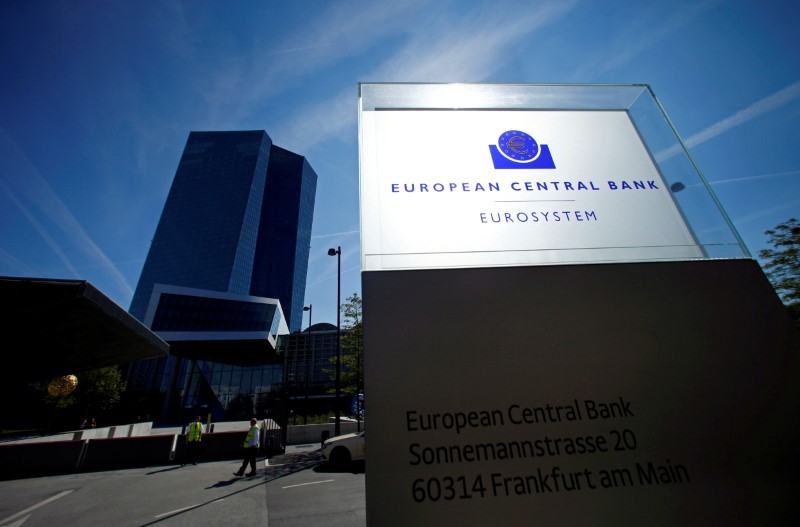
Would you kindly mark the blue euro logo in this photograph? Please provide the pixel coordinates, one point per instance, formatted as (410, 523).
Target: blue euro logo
(518, 146)
(517, 149)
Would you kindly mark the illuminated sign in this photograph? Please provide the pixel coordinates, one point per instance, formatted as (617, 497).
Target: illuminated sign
(552, 187)
(506, 389)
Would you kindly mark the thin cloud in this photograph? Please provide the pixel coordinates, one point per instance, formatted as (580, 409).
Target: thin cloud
(745, 178)
(752, 178)
(642, 36)
(10, 261)
(333, 234)
(469, 51)
(753, 216)
(329, 276)
(344, 29)
(30, 187)
(38, 227)
(294, 50)
(766, 212)
(466, 52)
(757, 109)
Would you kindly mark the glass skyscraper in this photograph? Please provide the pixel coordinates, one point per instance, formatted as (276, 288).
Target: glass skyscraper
(225, 275)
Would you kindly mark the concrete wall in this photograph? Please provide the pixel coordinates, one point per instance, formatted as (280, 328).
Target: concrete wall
(25, 460)
(213, 447)
(125, 446)
(116, 453)
(106, 432)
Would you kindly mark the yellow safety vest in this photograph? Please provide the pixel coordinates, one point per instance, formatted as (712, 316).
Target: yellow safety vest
(250, 434)
(195, 431)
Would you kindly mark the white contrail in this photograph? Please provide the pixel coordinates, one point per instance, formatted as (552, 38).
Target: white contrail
(750, 178)
(30, 186)
(757, 109)
(333, 234)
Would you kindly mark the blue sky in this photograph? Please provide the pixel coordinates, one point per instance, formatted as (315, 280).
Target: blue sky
(98, 98)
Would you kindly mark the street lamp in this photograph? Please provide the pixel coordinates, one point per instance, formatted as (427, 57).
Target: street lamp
(308, 308)
(338, 252)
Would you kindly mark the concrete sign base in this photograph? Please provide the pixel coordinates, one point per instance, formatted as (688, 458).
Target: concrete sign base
(607, 394)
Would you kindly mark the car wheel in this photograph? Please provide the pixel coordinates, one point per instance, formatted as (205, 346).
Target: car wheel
(340, 457)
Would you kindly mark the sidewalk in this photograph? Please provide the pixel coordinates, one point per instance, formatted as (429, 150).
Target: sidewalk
(294, 449)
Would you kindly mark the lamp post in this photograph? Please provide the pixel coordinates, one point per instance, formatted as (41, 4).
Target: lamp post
(338, 253)
(308, 308)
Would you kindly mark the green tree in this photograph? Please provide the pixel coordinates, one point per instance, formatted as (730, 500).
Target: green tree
(351, 376)
(100, 389)
(97, 391)
(782, 262)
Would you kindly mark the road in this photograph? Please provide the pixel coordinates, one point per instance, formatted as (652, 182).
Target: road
(295, 489)
(318, 496)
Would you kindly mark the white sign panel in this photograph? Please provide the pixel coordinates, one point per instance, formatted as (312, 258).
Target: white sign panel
(495, 188)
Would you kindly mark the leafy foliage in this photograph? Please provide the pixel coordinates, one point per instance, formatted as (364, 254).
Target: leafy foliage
(100, 389)
(782, 261)
(97, 392)
(352, 346)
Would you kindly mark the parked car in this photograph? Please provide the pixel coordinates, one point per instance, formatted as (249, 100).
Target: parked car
(343, 449)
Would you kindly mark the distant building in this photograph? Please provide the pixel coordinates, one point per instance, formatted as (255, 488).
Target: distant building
(309, 387)
(225, 276)
(309, 380)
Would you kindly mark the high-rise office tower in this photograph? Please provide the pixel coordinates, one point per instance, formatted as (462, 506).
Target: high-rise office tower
(226, 270)
(237, 220)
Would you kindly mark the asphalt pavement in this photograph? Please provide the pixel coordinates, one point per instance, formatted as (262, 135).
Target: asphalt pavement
(294, 489)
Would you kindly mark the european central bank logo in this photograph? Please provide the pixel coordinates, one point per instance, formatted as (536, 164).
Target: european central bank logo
(516, 149)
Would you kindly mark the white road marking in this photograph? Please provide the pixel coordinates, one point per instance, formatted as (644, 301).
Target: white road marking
(176, 511)
(19, 522)
(311, 483)
(34, 507)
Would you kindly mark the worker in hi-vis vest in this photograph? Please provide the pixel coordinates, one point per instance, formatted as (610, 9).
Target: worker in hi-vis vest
(251, 442)
(194, 433)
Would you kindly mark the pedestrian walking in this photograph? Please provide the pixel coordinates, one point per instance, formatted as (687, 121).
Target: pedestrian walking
(251, 443)
(194, 434)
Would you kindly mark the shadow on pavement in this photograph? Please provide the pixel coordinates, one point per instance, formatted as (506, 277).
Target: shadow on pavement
(284, 465)
(168, 469)
(225, 483)
(355, 467)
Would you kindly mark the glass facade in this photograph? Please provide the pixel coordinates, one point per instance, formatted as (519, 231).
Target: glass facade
(208, 228)
(237, 221)
(229, 392)
(309, 377)
(281, 271)
(308, 358)
(189, 313)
